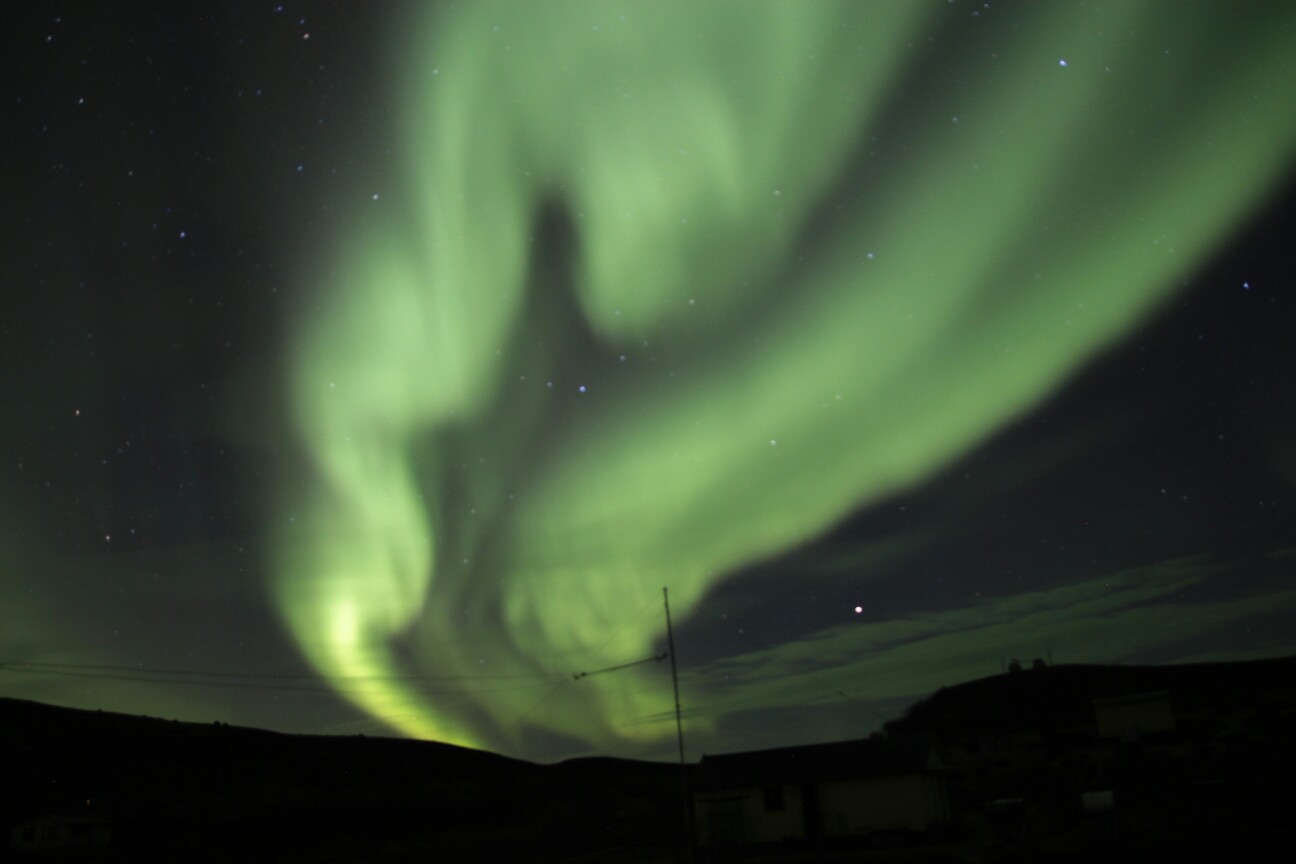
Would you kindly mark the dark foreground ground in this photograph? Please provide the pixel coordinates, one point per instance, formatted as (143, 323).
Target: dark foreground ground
(1022, 751)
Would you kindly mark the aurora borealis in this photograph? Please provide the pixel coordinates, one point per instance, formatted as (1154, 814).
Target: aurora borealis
(797, 309)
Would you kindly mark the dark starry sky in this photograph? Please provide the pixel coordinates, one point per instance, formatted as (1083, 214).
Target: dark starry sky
(174, 171)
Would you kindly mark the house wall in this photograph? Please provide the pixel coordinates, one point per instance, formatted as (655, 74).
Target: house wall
(937, 798)
(718, 824)
(59, 834)
(909, 802)
(1149, 716)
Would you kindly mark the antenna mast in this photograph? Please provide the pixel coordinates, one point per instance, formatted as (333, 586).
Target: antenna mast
(679, 733)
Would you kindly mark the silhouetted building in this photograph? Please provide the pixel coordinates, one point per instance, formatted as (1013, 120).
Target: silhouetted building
(1133, 716)
(60, 832)
(851, 788)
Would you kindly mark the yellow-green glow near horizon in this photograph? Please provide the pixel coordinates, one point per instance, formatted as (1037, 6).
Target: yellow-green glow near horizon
(812, 313)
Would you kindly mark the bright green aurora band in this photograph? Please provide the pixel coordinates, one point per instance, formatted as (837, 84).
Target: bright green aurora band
(784, 290)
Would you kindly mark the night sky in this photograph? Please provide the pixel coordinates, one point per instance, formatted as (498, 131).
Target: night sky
(371, 368)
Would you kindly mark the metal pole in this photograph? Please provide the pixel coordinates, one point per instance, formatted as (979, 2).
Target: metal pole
(679, 733)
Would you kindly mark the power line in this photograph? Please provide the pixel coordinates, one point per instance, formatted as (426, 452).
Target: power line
(37, 666)
(655, 659)
(802, 672)
(505, 731)
(690, 713)
(250, 685)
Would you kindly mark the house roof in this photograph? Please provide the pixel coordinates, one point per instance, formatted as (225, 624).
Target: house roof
(1133, 698)
(842, 760)
(61, 819)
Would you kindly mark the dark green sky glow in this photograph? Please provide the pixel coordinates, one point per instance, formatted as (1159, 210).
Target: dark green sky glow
(501, 316)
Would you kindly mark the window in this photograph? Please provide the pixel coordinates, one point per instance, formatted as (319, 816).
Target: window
(774, 798)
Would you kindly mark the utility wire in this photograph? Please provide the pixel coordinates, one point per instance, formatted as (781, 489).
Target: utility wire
(694, 712)
(249, 685)
(37, 666)
(576, 676)
(505, 731)
(834, 689)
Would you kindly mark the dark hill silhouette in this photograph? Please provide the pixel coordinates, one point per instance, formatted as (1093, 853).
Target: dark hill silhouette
(208, 792)
(1060, 698)
(1023, 751)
